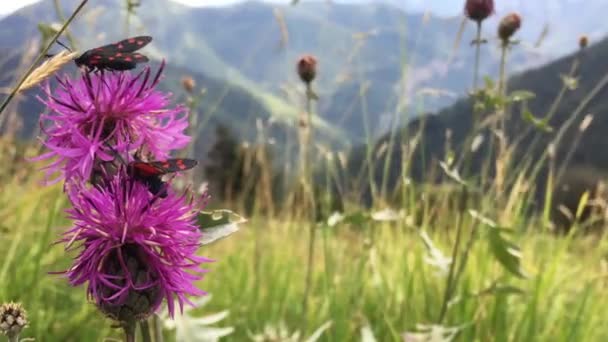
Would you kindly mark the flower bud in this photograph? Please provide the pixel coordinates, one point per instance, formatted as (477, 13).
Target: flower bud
(478, 10)
(142, 298)
(508, 26)
(188, 83)
(307, 68)
(583, 41)
(13, 319)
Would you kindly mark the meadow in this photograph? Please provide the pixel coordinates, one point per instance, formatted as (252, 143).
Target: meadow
(426, 264)
(371, 274)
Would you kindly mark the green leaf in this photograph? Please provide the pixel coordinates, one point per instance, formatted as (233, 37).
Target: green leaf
(521, 95)
(452, 173)
(316, 335)
(435, 256)
(218, 224)
(47, 32)
(570, 82)
(357, 218)
(506, 252)
(582, 204)
(494, 289)
(506, 289)
(541, 124)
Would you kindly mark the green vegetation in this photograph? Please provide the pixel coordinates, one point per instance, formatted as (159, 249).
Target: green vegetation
(367, 273)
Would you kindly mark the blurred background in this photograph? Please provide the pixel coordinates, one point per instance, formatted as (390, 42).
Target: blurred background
(394, 107)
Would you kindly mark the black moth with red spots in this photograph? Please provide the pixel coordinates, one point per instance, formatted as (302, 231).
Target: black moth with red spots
(118, 56)
(150, 172)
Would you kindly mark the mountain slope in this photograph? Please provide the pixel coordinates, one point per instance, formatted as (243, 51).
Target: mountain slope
(546, 83)
(222, 103)
(378, 65)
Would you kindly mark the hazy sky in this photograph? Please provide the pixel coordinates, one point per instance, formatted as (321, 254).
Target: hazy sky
(8, 6)
(445, 7)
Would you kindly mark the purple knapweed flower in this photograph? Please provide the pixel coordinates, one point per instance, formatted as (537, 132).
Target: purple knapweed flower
(99, 115)
(135, 249)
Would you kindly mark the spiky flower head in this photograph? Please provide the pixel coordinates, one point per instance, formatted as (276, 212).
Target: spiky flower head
(13, 319)
(508, 26)
(307, 68)
(135, 249)
(479, 10)
(99, 115)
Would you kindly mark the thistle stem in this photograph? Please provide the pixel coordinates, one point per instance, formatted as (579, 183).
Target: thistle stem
(158, 331)
(467, 153)
(307, 182)
(477, 56)
(500, 126)
(42, 55)
(129, 329)
(144, 327)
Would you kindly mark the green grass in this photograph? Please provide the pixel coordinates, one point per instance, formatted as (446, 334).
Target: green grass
(375, 273)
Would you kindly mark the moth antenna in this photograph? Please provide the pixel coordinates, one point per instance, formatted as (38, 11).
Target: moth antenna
(65, 46)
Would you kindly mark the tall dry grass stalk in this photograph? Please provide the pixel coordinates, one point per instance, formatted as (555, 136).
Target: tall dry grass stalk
(47, 69)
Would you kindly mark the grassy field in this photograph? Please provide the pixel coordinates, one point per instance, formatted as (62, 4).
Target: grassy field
(368, 273)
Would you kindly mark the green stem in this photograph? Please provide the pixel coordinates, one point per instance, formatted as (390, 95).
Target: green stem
(467, 153)
(502, 84)
(463, 261)
(42, 54)
(449, 286)
(144, 327)
(129, 329)
(477, 56)
(158, 329)
(570, 121)
(307, 176)
(552, 110)
(499, 126)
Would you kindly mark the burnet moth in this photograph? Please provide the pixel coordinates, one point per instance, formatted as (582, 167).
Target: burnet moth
(117, 56)
(150, 173)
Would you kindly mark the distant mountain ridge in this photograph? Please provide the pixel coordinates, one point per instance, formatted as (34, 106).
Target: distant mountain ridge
(545, 82)
(378, 65)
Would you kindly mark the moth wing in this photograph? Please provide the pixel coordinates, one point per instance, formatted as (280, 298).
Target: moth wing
(132, 44)
(109, 59)
(139, 58)
(144, 169)
(174, 165)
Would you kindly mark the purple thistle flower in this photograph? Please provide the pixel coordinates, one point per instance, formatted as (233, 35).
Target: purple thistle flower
(96, 111)
(136, 248)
